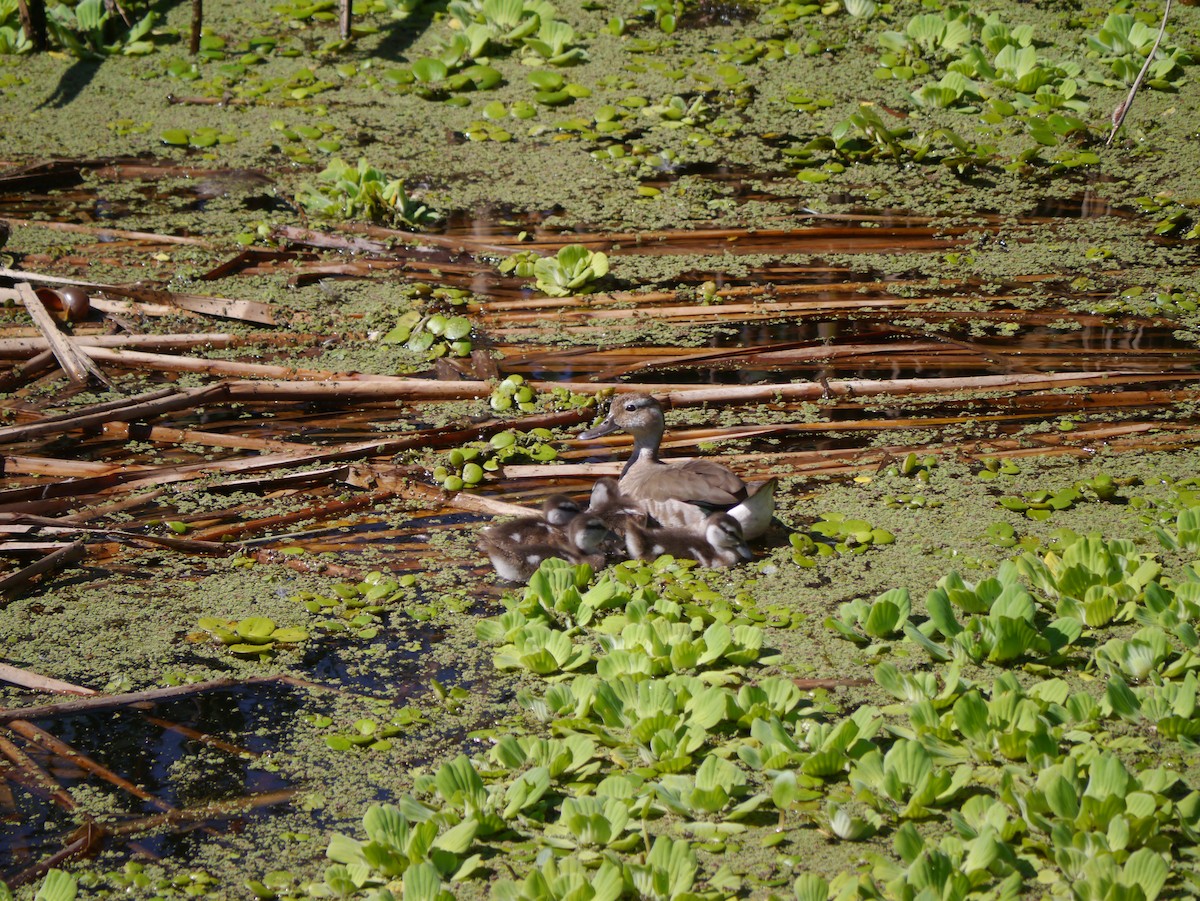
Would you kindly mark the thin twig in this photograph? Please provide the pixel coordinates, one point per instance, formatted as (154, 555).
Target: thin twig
(1123, 108)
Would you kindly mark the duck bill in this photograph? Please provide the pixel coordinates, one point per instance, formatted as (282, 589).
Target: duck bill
(745, 553)
(605, 428)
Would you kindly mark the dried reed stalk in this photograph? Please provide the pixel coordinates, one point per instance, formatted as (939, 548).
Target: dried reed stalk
(78, 367)
(66, 752)
(81, 229)
(27, 679)
(12, 585)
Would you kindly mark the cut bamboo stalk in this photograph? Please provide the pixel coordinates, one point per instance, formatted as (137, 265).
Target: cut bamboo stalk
(245, 310)
(132, 359)
(148, 697)
(78, 367)
(138, 407)
(401, 483)
(18, 348)
(28, 679)
(35, 366)
(124, 431)
(41, 737)
(12, 585)
(134, 308)
(24, 464)
(321, 511)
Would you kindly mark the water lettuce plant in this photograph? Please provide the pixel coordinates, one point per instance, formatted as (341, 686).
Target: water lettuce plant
(434, 335)
(466, 466)
(362, 192)
(88, 30)
(254, 636)
(573, 270)
(513, 394)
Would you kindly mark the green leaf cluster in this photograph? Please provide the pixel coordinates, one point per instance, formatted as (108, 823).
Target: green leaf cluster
(362, 192)
(254, 636)
(467, 466)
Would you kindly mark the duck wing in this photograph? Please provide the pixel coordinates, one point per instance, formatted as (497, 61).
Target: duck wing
(701, 482)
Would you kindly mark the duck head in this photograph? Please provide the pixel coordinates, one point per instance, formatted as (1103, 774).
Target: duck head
(558, 510)
(724, 533)
(638, 414)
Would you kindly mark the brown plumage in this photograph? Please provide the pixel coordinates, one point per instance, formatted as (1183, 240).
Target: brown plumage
(680, 493)
(516, 556)
(718, 543)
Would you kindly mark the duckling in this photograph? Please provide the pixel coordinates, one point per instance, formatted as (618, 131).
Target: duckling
(557, 511)
(617, 512)
(719, 543)
(516, 558)
(681, 493)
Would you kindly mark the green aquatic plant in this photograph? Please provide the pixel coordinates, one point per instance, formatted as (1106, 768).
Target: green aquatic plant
(1040, 504)
(362, 192)
(833, 534)
(356, 608)
(13, 38)
(1002, 622)
(573, 270)
(467, 466)
(420, 851)
(564, 879)
(1186, 534)
(1093, 580)
(514, 394)
(88, 29)
(1148, 652)
(433, 335)
(1124, 42)
(905, 781)
(254, 636)
(883, 617)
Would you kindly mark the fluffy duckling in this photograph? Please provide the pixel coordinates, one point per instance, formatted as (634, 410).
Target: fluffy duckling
(557, 511)
(719, 543)
(616, 511)
(517, 558)
(683, 493)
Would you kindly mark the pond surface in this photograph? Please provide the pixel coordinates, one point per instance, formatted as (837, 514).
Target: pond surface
(871, 298)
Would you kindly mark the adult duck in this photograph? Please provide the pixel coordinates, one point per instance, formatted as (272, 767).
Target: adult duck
(680, 494)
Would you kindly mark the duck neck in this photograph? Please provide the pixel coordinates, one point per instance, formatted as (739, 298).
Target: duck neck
(643, 452)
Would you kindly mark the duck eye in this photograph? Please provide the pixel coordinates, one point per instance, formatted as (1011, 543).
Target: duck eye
(630, 407)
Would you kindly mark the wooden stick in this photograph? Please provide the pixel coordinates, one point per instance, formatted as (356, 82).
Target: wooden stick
(125, 431)
(75, 365)
(80, 228)
(1123, 108)
(212, 811)
(17, 348)
(149, 696)
(138, 407)
(246, 310)
(89, 837)
(36, 365)
(324, 510)
(66, 752)
(38, 776)
(12, 585)
(133, 359)
(196, 735)
(27, 679)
